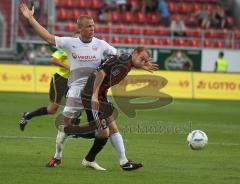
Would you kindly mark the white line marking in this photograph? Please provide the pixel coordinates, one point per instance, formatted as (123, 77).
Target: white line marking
(25, 137)
(172, 142)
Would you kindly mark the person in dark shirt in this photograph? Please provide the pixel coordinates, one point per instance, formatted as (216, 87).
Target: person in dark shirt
(94, 96)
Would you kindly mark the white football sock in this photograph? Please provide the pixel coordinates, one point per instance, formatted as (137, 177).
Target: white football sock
(60, 140)
(117, 142)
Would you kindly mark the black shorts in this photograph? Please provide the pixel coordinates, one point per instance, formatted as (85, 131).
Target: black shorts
(58, 88)
(105, 108)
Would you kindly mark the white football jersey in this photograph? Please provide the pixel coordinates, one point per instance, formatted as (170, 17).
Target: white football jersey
(84, 58)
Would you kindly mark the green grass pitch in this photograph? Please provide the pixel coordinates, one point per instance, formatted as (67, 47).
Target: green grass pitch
(156, 137)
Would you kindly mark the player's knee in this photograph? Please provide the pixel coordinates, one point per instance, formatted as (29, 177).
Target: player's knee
(113, 128)
(67, 121)
(52, 109)
(103, 133)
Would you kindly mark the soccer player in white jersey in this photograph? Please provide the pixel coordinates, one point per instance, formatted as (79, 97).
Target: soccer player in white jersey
(84, 54)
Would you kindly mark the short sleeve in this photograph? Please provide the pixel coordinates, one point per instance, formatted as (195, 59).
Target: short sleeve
(59, 54)
(108, 49)
(62, 43)
(108, 63)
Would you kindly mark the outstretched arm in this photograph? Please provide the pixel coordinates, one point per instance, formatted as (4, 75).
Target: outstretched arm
(41, 31)
(150, 67)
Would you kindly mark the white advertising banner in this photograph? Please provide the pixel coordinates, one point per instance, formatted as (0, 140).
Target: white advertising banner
(209, 57)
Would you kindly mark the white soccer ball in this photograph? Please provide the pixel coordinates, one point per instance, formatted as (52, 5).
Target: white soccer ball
(197, 139)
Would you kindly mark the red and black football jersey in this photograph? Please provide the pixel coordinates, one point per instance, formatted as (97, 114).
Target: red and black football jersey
(116, 68)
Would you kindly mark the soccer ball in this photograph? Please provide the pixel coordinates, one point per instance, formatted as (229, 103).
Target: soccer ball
(197, 139)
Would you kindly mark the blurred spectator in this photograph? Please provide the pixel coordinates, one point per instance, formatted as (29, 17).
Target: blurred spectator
(218, 17)
(178, 61)
(227, 5)
(110, 4)
(221, 64)
(39, 13)
(134, 6)
(42, 51)
(37, 8)
(178, 27)
(28, 54)
(162, 8)
(104, 15)
(150, 5)
(121, 5)
(203, 17)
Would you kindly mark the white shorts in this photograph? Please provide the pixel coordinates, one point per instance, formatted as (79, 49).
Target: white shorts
(74, 102)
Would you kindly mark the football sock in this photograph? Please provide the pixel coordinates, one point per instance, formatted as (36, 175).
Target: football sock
(39, 112)
(85, 136)
(117, 142)
(60, 140)
(96, 148)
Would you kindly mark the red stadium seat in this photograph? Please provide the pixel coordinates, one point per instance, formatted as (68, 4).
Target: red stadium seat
(232, 45)
(105, 28)
(237, 34)
(142, 41)
(115, 17)
(57, 28)
(211, 33)
(97, 29)
(180, 42)
(194, 33)
(193, 43)
(172, 7)
(197, 33)
(152, 18)
(207, 43)
(140, 18)
(75, 14)
(69, 3)
(223, 33)
(161, 31)
(92, 13)
(155, 41)
(70, 27)
(82, 4)
(128, 40)
(96, 4)
(183, 8)
(62, 14)
(195, 7)
(58, 3)
(115, 40)
(103, 37)
(134, 29)
(167, 42)
(127, 17)
(189, 33)
(119, 29)
(147, 30)
(219, 44)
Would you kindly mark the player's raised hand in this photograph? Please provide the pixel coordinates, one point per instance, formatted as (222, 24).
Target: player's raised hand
(150, 67)
(25, 11)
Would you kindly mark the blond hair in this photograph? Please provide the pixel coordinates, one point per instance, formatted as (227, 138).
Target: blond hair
(82, 18)
(141, 49)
